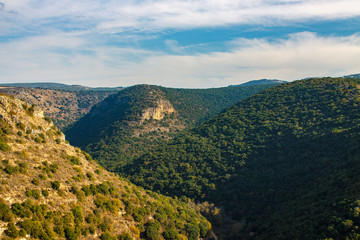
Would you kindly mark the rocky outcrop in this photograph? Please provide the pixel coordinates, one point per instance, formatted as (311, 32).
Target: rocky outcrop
(162, 108)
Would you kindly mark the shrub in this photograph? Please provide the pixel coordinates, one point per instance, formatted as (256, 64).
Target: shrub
(74, 160)
(35, 193)
(45, 192)
(11, 169)
(55, 185)
(35, 181)
(42, 176)
(6, 214)
(205, 227)
(11, 230)
(20, 125)
(124, 236)
(3, 146)
(193, 231)
(107, 236)
(47, 119)
(171, 234)
(152, 231)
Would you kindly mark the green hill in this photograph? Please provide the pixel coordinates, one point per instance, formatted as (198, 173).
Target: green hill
(52, 190)
(137, 118)
(283, 163)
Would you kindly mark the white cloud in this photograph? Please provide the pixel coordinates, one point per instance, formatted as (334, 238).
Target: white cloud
(115, 16)
(70, 59)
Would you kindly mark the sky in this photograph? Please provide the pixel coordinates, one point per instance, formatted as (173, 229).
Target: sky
(177, 43)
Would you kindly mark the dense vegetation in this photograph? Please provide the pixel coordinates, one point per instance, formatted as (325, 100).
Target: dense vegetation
(51, 190)
(113, 132)
(284, 162)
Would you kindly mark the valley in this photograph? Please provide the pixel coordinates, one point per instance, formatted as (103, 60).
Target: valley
(262, 161)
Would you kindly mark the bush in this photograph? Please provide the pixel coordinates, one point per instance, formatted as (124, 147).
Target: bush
(193, 231)
(6, 214)
(35, 181)
(171, 234)
(75, 160)
(11, 230)
(55, 185)
(107, 236)
(152, 231)
(124, 236)
(45, 192)
(11, 169)
(35, 193)
(205, 227)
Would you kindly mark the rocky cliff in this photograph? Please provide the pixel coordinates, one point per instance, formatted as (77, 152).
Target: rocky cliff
(64, 107)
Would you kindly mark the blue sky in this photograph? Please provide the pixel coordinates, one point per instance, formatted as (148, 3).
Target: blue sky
(177, 43)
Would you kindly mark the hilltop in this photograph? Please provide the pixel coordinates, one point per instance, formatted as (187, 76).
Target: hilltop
(138, 118)
(64, 107)
(283, 163)
(51, 190)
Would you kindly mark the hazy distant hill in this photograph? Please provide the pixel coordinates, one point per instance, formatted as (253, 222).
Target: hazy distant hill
(285, 163)
(260, 82)
(137, 118)
(356, 76)
(58, 86)
(51, 190)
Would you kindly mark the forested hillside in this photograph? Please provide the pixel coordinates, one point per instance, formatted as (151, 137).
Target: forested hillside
(51, 190)
(285, 163)
(138, 118)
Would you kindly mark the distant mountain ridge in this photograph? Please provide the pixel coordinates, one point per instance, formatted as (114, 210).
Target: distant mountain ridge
(260, 82)
(59, 86)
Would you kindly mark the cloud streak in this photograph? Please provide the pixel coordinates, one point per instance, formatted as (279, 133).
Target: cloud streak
(69, 59)
(153, 15)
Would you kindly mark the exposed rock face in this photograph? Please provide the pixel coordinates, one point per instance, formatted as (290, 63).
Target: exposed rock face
(29, 118)
(162, 108)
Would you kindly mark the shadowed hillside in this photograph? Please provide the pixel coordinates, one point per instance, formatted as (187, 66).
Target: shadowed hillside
(284, 163)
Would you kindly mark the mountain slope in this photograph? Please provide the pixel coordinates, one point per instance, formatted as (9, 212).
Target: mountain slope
(284, 163)
(132, 121)
(51, 190)
(64, 107)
